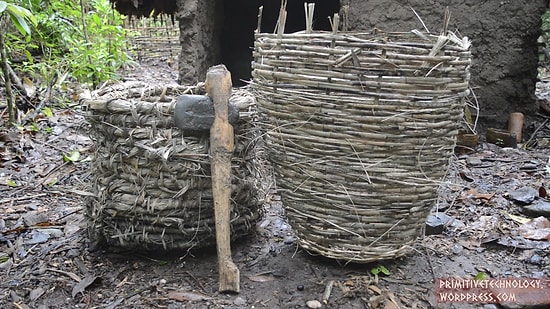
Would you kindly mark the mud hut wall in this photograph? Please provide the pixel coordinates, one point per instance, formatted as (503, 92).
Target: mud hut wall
(200, 27)
(503, 32)
(504, 44)
(214, 31)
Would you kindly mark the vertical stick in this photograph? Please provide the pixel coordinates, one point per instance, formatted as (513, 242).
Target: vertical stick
(260, 14)
(281, 21)
(515, 125)
(218, 86)
(7, 80)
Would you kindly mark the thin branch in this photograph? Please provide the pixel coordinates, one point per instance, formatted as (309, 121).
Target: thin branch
(9, 94)
(16, 81)
(43, 102)
(86, 37)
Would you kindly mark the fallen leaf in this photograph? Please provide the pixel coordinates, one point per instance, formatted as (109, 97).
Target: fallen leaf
(484, 223)
(70, 228)
(536, 229)
(80, 139)
(37, 237)
(542, 192)
(36, 293)
(390, 305)
(32, 218)
(73, 157)
(472, 193)
(261, 278)
(466, 177)
(469, 243)
(187, 296)
(376, 301)
(69, 274)
(28, 85)
(518, 242)
(518, 219)
(375, 289)
(85, 283)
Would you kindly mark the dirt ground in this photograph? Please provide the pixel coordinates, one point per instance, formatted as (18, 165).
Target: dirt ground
(46, 260)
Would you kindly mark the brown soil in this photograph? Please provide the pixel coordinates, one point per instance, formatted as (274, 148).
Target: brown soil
(46, 260)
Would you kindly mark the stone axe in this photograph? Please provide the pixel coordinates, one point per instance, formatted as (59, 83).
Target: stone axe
(194, 113)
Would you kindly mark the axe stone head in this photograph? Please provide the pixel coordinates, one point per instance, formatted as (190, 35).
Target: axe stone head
(195, 113)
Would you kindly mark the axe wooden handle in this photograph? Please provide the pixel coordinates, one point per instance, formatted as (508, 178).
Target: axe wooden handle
(218, 86)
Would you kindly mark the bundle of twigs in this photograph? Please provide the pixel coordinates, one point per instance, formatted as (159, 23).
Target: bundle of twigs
(361, 129)
(152, 185)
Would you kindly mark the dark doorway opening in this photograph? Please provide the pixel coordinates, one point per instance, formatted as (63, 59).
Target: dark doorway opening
(241, 19)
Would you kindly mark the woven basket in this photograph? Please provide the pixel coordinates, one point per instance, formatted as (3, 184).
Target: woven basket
(152, 185)
(361, 129)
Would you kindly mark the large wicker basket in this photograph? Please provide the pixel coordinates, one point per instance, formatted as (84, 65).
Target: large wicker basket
(152, 185)
(361, 129)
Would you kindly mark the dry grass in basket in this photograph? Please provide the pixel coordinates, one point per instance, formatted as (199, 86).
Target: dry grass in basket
(152, 182)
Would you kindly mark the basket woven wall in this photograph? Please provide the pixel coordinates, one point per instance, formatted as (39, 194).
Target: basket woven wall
(154, 38)
(152, 185)
(361, 129)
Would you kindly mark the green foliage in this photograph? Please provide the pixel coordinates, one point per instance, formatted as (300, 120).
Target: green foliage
(545, 28)
(380, 269)
(480, 276)
(4, 257)
(73, 157)
(19, 17)
(47, 112)
(97, 58)
(546, 23)
(83, 41)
